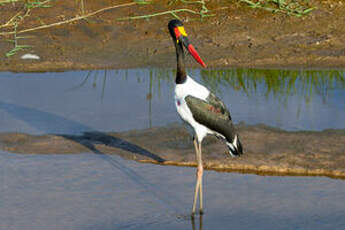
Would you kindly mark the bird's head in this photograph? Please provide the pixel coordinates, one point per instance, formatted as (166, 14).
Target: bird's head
(179, 37)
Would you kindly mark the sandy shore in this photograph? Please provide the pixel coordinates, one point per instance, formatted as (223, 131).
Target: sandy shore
(267, 150)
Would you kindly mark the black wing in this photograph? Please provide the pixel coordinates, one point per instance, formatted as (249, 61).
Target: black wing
(213, 114)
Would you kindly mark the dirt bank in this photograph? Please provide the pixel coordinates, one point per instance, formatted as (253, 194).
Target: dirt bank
(267, 150)
(237, 36)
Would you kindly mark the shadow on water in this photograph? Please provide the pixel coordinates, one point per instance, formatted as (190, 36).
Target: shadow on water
(44, 121)
(90, 139)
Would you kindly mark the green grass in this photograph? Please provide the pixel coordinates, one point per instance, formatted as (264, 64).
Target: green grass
(19, 18)
(277, 83)
(16, 47)
(37, 4)
(290, 7)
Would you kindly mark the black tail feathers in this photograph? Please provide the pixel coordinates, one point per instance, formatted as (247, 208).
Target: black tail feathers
(235, 148)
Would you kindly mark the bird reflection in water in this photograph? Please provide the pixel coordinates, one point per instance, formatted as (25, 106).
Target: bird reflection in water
(193, 222)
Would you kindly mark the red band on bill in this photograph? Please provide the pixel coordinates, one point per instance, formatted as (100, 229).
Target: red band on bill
(196, 56)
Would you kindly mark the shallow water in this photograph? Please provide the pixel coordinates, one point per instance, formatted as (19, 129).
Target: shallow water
(95, 191)
(73, 102)
(92, 191)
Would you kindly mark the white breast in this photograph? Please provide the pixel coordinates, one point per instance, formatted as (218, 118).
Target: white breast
(190, 87)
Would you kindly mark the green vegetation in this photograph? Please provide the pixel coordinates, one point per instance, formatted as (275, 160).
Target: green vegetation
(289, 7)
(18, 18)
(15, 42)
(280, 84)
(277, 83)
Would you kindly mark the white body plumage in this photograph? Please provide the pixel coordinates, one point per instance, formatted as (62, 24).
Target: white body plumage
(191, 87)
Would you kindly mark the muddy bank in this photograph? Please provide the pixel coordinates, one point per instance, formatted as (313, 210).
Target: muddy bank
(267, 150)
(237, 36)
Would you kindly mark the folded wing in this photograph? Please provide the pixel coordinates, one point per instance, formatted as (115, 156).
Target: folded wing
(213, 114)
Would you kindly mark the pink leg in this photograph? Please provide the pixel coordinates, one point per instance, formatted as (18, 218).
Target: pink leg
(200, 173)
(198, 185)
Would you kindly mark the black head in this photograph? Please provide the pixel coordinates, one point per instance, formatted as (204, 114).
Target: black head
(172, 25)
(179, 37)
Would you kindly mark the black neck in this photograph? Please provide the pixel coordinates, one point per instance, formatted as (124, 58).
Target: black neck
(181, 71)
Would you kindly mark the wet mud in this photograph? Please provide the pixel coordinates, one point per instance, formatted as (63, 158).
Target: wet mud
(237, 36)
(267, 151)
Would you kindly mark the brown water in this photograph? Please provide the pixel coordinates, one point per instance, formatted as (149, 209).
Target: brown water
(94, 191)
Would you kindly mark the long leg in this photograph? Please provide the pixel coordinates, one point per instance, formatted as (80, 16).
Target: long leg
(200, 172)
(197, 185)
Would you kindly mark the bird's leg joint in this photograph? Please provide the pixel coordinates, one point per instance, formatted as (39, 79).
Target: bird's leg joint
(199, 171)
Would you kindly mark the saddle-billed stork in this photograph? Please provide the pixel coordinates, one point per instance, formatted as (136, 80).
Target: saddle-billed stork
(199, 108)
